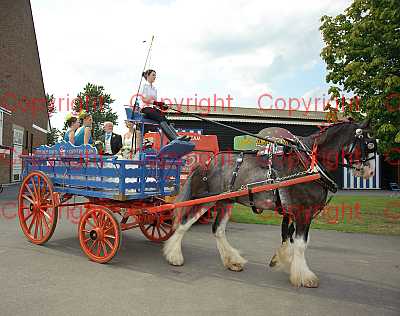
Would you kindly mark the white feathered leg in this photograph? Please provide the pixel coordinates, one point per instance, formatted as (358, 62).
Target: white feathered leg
(300, 273)
(230, 256)
(173, 246)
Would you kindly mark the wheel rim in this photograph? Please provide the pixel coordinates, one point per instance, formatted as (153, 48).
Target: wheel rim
(99, 234)
(37, 209)
(160, 228)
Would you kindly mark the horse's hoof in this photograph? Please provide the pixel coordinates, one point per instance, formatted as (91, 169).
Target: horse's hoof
(237, 267)
(176, 261)
(176, 264)
(309, 281)
(312, 283)
(273, 261)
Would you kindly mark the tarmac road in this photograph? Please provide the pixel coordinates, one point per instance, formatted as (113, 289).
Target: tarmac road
(359, 274)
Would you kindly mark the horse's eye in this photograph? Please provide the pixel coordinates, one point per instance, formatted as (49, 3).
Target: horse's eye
(371, 145)
(359, 131)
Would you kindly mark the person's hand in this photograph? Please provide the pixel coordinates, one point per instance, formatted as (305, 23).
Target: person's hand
(161, 105)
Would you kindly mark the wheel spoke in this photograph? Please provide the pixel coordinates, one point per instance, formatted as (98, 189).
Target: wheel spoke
(47, 224)
(152, 232)
(109, 243)
(158, 230)
(94, 242)
(39, 189)
(33, 221)
(46, 214)
(167, 225)
(98, 248)
(27, 217)
(36, 226)
(108, 228)
(162, 228)
(105, 253)
(27, 198)
(41, 226)
(107, 223)
(30, 191)
(34, 188)
(94, 217)
(109, 236)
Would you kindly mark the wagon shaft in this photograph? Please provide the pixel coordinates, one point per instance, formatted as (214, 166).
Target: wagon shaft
(234, 194)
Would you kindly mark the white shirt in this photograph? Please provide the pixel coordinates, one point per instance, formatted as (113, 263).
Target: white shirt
(108, 150)
(149, 91)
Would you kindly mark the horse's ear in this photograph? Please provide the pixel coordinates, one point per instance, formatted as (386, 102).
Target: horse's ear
(365, 124)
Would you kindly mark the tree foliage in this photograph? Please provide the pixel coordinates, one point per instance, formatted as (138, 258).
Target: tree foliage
(53, 134)
(362, 54)
(94, 100)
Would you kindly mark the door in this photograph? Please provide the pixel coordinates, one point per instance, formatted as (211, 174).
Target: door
(18, 140)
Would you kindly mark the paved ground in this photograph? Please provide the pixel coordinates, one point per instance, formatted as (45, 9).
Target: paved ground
(360, 275)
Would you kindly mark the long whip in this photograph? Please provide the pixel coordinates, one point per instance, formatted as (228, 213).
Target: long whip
(267, 139)
(138, 90)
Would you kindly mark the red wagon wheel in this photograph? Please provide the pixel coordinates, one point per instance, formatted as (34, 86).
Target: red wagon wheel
(99, 234)
(160, 228)
(37, 208)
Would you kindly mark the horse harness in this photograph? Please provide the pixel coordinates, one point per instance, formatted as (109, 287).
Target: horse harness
(367, 147)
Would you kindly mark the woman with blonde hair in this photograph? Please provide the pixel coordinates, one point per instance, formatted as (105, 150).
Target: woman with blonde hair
(84, 134)
(73, 124)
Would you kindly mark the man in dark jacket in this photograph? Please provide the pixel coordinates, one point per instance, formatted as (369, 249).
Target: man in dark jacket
(112, 143)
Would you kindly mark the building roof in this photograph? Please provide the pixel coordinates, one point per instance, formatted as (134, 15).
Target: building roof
(256, 115)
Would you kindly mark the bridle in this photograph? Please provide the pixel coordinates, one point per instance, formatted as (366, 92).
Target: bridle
(367, 146)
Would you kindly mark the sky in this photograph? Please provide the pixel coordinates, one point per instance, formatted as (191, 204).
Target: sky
(244, 50)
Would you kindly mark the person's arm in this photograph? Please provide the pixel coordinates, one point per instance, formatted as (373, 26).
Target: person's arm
(87, 135)
(72, 137)
(138, 138)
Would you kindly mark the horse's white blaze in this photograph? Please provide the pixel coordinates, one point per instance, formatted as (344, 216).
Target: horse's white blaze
(369, 170)
(365, 171)
(230, 256)
(300, 273)
(173, 246)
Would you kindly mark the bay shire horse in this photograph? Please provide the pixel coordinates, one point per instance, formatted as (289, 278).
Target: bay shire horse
(298, 204)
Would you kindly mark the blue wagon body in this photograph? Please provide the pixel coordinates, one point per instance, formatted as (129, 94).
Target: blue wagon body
(79, 170)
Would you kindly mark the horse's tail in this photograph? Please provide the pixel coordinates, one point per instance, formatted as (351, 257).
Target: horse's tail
(185, 194)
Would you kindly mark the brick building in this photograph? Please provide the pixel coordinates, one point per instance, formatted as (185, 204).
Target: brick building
(23, 113)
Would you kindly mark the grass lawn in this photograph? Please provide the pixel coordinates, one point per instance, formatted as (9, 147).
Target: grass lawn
(346, 213)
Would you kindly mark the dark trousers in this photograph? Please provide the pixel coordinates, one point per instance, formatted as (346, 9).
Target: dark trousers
(154, 114)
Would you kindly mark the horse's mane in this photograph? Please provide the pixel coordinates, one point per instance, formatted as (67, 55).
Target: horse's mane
(331, 126)
(322, 133)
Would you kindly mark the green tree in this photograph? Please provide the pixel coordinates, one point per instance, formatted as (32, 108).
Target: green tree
(362, 54)
(53, 134)
(94, 100)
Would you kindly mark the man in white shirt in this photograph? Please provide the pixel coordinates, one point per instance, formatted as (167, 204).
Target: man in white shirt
(112, 142)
